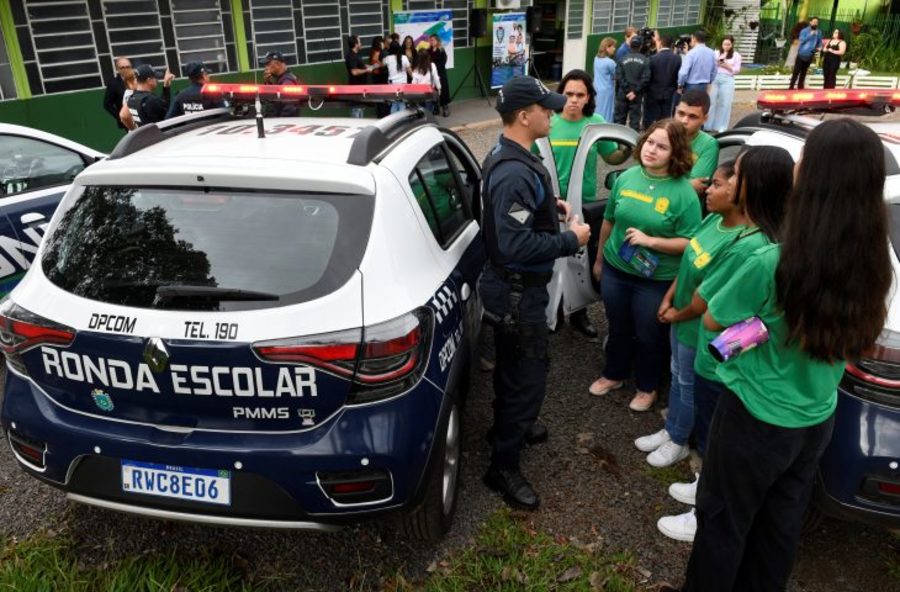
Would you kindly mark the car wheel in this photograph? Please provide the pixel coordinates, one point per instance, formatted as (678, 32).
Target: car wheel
(431, 520)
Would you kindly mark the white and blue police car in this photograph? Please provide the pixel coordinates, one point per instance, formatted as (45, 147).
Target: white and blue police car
(264, 323)
(36, 169)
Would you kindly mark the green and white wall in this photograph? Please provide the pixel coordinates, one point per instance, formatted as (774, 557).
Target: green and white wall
(56, 55)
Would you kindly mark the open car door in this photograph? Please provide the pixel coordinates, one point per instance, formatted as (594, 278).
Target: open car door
(571, 284)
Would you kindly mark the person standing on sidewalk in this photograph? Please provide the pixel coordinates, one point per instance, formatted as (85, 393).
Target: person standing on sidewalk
(810, 40)
(699, 67)
(664, 66)
(692, 112)
(145, 106)
(439, 59)
(522, 238)
(605, 79)
(822, 308)
(632, 78)
(357, 72)
(722, 95)
(114, 97)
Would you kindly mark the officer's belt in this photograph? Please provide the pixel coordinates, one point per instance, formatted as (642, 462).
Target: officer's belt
(529, 279)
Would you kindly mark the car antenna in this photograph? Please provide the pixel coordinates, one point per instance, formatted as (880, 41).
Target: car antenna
(260, 129)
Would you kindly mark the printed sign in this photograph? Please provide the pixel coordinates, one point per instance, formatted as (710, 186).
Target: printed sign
(510, 47)
(421, 24)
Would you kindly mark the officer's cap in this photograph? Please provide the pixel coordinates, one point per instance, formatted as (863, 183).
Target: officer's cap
(144, 72)
(272, 55)
(524, 91)
(195, 69)
(636, 42)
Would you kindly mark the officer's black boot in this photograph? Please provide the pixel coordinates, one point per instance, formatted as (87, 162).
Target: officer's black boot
(516, 490)
(582, 323)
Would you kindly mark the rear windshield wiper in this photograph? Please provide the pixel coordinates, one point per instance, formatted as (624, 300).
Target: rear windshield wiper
(167, 293)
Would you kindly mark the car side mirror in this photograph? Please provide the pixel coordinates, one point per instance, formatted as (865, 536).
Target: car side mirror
(611, 179)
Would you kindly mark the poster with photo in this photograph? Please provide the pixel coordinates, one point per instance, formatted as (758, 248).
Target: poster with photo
(421, 24)
(510, 47)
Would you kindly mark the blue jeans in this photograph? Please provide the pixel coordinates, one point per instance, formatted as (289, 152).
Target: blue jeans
(695, 86)
(397, 106)
(358, 112)
(706, 396)
(721, 97)
(636, 337)
(680, 418)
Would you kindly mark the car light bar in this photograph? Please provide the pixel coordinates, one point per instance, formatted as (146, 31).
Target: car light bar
(829, 100)
(339, 92)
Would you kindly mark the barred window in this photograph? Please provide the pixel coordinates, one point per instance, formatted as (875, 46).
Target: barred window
(7, 83)
(199, 35)
(324, 37)
(133, 30)
(601, 18)
(273, 29)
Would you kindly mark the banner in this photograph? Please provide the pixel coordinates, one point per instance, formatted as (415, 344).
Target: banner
(421, 24)
(510, 51)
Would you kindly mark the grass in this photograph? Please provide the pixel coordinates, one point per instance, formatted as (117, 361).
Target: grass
(509, 554)
(48, 562)
(669, 475)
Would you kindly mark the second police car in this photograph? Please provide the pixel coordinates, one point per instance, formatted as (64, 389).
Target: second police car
(254, 323)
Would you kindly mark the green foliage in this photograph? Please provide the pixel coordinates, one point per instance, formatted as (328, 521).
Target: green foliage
(47, 562)
(509, 555)
(873, 50)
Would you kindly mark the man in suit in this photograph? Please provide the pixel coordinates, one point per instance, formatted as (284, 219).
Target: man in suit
(664, 65)
(115, 90)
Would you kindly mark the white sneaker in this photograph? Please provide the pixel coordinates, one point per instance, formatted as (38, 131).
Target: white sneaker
(653, 441)
(685, 493)
(682, 527)
(668, 454)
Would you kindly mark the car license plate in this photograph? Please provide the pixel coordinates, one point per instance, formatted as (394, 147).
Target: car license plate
(184, 483)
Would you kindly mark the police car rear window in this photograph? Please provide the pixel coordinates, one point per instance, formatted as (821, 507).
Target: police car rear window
(213, 249)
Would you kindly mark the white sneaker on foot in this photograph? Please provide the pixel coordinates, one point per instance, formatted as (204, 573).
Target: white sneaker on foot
(682, 527)
(653, 441)
(685, 493)
(668, 454)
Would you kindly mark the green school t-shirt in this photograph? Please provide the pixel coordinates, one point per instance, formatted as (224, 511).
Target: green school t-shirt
(705, 149)
(711, 239)
(660, 207)
(564, 136)
(777, 382)
(719, 273)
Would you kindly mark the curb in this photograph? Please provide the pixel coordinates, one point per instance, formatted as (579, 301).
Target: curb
(475, 125)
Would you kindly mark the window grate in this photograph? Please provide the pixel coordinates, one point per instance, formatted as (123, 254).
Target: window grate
(51, 25)
(273, 28)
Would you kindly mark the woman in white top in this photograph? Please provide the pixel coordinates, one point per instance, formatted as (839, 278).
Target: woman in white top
(426, 73)
(722, 94)
(398, 68)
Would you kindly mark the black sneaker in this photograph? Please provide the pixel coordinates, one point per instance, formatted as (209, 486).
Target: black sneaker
(581, 323)
(516, 490)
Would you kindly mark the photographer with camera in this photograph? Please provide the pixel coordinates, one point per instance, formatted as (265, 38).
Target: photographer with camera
(146, 107)
(632, 78)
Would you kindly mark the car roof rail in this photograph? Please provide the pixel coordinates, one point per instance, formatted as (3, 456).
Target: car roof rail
(374, 139)
(153, 133)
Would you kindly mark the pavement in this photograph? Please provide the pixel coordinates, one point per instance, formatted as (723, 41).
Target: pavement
(478, 113)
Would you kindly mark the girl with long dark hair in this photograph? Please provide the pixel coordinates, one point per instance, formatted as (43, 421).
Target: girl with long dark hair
(822, 306)
(398, 68)
(409, 50)
(753, 210)
(721, 96)
(424, 72)
(833, 51)
(439, 58)
(652, 212)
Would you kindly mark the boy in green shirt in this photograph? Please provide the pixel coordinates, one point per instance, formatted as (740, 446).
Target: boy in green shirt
(692, 111)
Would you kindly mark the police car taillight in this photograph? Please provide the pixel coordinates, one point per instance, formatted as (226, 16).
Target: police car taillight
(21, 330)
(382, 360)
(829, 100)
(876, 376)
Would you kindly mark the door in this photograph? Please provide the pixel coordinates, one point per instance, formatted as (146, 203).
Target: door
(571, 284)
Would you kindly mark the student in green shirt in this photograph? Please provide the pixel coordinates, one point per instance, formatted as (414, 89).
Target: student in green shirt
(822, 306)
(651, 214)
(719, 229)
(692, 111)
(566, 128)
(763, 179)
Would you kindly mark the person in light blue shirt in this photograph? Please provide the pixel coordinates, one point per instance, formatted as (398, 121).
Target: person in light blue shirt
(810, 40)
(699, 67)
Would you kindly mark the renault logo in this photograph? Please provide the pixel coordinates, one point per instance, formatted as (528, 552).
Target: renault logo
(155, 355)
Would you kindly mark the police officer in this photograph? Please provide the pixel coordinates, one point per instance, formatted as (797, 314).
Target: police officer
(277, 72)
(521, 230)
(190, 100)
(632, 78)
(144, 106)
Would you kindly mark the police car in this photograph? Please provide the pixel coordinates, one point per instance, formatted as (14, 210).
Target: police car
(259, 323)
(36, 168)
(859, 475)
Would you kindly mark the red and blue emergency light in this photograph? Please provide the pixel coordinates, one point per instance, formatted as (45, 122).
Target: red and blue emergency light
(336, 92)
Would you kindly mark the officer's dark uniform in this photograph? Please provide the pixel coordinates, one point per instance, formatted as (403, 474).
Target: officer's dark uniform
(521, 231)
(144, 106)
(280, 109)
(632, 75)
(191, 99)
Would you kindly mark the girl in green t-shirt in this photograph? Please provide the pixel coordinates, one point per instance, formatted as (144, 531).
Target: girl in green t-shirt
(720, 228)
(821, 294)
(763, 177)
(651, 213)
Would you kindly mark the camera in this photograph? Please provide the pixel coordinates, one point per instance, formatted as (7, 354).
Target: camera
(648, 45)
(683, 44)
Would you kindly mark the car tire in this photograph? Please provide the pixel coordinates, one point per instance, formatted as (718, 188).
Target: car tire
(431, 520)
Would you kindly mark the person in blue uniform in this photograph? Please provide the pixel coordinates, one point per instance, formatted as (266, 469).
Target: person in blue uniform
(190, 100)
(523, 239)
(276, 72)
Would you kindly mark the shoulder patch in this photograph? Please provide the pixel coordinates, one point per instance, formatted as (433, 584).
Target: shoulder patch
(518, 213)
